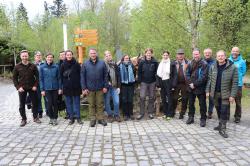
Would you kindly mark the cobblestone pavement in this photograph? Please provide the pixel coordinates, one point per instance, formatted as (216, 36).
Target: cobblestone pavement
(148, 142)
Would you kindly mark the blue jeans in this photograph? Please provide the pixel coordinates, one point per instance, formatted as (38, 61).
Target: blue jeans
(112, 92)
(73, 106)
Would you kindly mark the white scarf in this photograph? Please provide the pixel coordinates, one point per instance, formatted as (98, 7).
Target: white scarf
(163, 70)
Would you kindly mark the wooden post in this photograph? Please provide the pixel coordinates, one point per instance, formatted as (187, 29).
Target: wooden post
(80, 54)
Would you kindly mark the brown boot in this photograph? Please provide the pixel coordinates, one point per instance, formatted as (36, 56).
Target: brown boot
(37, 120)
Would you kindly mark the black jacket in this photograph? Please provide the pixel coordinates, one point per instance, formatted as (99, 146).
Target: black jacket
(197, 73)
(172, 78)
(147, 71)
(25, 76)
(70, 75)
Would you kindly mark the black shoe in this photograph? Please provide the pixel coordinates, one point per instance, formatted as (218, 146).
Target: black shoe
(72, 121)
(117, 118)
(190, 120)
(218, 128)
(237, 120)
(110, 119)
(79, 121)
(132, 117)
(223, 133)
(23, 123)
(41, 115)
(139, 117)
(37, 120)
(126, 118)
(151, 116)
(29, 106)
(55, 122)
(92, 123)
(203, 123)
(181, 116)
(103, 122)
(209, 116)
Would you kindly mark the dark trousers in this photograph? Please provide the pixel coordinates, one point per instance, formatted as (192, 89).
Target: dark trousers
(22, 99)
(237, 113)
(202, 104)
(166, 98)
(222, 107)
(210, 104)
(51, 99)
(184, 97)
(127, 98)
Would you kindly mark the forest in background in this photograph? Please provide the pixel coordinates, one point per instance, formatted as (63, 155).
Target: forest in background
(159, 24)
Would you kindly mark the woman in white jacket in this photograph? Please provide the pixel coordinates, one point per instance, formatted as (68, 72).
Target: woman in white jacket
(166, 80)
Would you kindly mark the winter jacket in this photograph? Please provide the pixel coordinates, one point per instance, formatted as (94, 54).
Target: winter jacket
(240, 63)
(94, 75)
(70, 72)
(210, 62)
(49, 77)
(147, 71)
(185, 66)
(25, 76)
(172, 78)
(114, 80)
(197, 74)
(229, 80)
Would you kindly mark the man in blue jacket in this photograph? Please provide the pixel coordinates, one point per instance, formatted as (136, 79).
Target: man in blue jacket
(94, 81)
(240, 63)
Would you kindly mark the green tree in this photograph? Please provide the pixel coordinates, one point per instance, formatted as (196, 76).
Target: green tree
(22, 15)
(58, 9)
(226, 19)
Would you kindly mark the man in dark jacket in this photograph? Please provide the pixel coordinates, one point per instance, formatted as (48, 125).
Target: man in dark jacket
(181, 67)
(222, 87)
(147, 78)
(26, 78)
(197, 74)
(210, 61)
(94, 81)
(113, 88)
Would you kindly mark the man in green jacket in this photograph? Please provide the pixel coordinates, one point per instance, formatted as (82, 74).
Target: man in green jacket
(222, 85)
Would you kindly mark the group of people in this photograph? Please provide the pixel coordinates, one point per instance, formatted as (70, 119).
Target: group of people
(219, 79)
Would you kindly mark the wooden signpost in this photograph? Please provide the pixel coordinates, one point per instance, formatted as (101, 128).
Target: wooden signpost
(84, 38)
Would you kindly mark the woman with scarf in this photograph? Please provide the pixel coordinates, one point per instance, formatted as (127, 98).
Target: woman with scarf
(166, 80)
(127, 74)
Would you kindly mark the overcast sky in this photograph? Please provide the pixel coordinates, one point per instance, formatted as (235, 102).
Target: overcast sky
(35, 7)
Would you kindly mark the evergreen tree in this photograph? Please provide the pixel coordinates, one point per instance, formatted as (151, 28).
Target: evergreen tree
(22, 15)
(58, 9)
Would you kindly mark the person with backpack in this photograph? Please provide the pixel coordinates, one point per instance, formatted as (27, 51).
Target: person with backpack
(197, 74)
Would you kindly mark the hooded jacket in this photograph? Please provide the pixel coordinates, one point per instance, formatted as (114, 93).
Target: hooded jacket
(240, 63)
